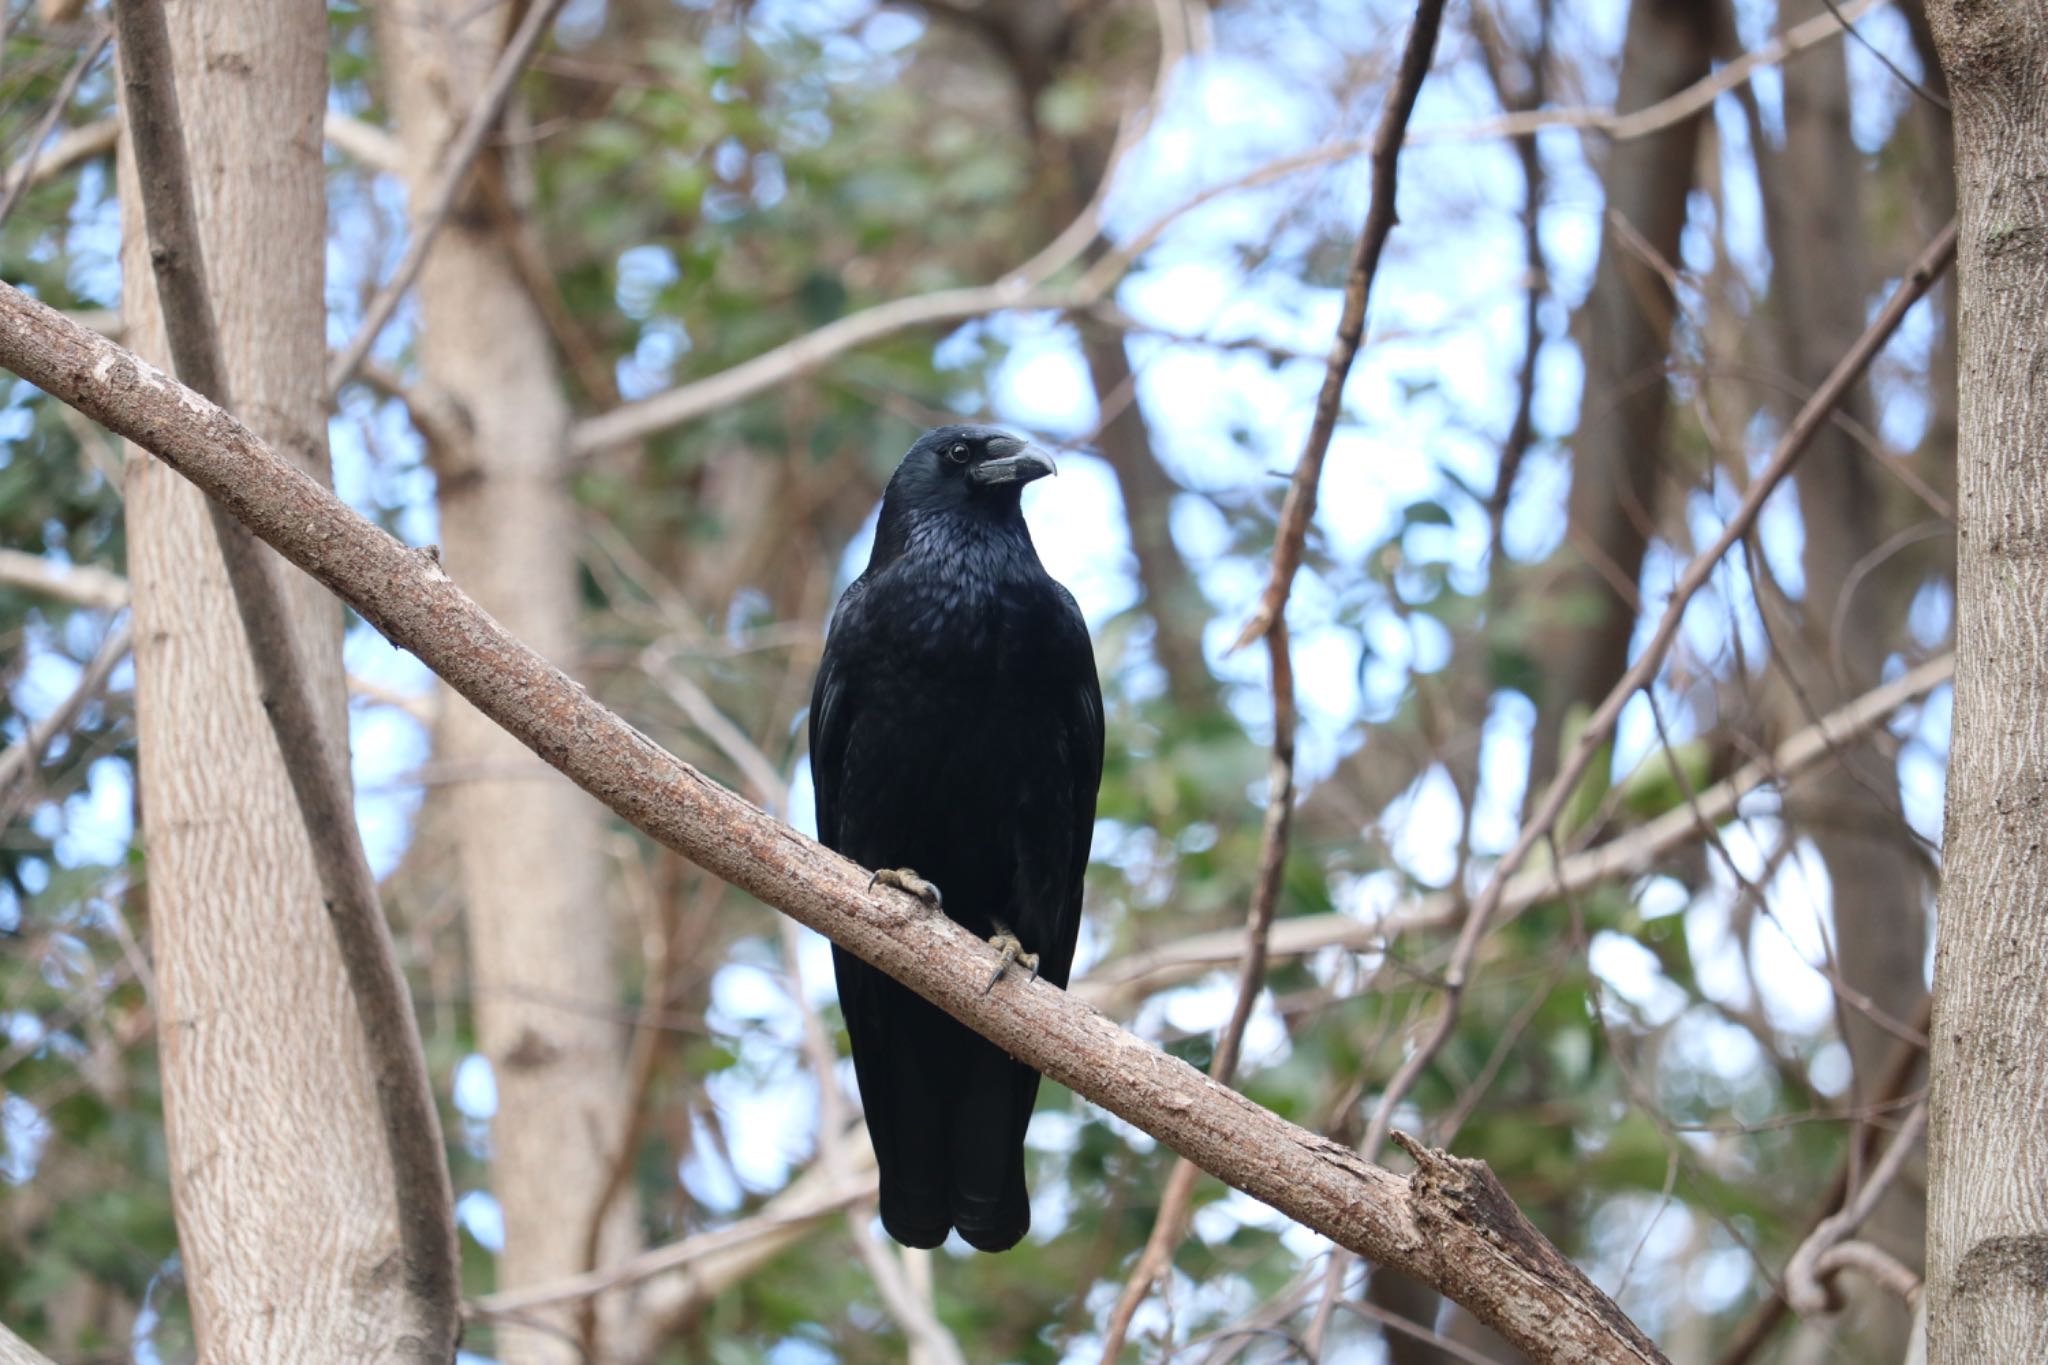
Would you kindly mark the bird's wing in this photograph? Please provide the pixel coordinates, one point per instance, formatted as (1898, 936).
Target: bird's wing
(831, 718)
(1081, 721)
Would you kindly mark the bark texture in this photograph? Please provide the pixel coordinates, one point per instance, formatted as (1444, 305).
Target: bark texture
(539, 934)
(283, 1191)
(1450, 1225)
(1987, 1284)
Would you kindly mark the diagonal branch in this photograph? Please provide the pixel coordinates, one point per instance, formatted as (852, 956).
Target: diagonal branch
(19, 760)
(1451, 1226)
(806, 353)
(318, 771)
(82, 585)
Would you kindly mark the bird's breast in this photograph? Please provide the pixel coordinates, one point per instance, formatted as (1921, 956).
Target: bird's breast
(961, 721)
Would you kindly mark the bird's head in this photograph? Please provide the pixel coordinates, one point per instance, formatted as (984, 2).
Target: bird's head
(966, 469)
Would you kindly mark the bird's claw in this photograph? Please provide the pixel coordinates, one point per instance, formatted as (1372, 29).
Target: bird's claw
(903, 879)
(1011, 950)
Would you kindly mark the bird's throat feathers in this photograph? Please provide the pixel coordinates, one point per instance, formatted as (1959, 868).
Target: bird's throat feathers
(963, 545)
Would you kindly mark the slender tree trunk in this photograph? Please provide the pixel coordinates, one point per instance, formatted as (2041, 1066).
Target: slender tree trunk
(1624, 329)
(539, 933)
(283, 1193)
(1987, 1286)
(1173, 597)
(1855, 592)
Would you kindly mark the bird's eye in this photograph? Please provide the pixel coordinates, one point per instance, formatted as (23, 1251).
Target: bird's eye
(957, 454)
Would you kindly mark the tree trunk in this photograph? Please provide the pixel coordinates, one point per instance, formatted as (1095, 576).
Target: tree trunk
(539, 933)
(1855, 594)
(1987, 1283)
(1173, 597)
(283, 1193)
(1624, 329)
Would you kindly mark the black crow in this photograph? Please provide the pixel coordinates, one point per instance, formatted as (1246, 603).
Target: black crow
(956, 746)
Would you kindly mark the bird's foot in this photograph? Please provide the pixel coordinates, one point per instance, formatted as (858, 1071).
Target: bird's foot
(903, 879)
(1011, 950)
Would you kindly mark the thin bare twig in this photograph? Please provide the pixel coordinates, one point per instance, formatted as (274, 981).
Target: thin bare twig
(455, 167)
(673, 1256)
(1805, 1289)
(1115, 984)
(320, 782)
(1380, 216)
(19, 761)
(1674, 109)
(1849, 27)
(1372, 1312)
(23, 174)
(805, 354)
(1538, 1299)
(1919, 278)
(928, 1337)
(1169, 1226)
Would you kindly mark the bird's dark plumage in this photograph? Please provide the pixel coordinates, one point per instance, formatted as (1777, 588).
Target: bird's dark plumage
(956, 729)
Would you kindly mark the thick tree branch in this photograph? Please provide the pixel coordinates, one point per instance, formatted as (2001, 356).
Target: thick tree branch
(1452, 1226)
(66, 150)
(15, 1351)
(317, 767)
(82, 585)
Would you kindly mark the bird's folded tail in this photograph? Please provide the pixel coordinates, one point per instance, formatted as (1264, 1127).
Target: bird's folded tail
(985, 1193)
(907, 1117)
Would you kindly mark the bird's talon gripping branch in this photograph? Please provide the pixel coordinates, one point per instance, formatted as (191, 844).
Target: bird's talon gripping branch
(903, 879)
(1011, 950)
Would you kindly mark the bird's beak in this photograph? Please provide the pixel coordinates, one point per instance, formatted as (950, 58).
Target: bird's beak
(1011, 461)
